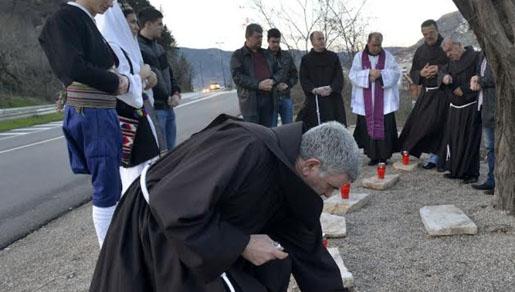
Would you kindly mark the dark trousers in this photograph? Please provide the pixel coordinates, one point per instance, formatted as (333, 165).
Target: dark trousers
(264, 114)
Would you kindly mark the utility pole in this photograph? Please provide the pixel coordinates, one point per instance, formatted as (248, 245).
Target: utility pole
(219, 44)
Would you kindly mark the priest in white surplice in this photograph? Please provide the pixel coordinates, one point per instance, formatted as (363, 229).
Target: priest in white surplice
(375, 99)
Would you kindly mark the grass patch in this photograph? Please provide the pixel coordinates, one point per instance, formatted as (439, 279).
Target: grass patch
(29, 121)
(19, 101)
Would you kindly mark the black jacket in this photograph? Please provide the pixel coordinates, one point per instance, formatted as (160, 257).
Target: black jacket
(487, 82)
(291, 76)
(155, 56)
(242, 71)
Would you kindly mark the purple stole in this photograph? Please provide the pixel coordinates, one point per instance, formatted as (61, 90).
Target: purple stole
(374, 117)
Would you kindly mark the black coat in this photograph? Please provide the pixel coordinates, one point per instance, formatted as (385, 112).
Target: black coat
(319, 69)
(229, 181)
(487, 82)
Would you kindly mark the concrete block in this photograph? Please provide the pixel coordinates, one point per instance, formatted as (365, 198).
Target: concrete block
(446, 220)
(334, 205)
(333, 226)
(381, 184)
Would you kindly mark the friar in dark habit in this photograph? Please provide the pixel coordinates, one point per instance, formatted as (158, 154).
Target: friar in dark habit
(234, 208)
(423, 130)
(462, 135)
(321, 78)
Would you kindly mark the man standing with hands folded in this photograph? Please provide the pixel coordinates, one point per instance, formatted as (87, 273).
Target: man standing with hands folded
(255, 73)
(321, 78)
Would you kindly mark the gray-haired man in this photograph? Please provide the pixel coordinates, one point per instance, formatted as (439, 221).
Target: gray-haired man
(238, 200)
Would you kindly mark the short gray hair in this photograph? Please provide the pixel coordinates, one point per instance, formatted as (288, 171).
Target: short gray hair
(333, 145)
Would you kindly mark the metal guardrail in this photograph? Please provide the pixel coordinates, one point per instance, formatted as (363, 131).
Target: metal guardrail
(28, 111)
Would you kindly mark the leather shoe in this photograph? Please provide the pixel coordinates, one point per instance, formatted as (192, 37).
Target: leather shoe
(489, 192)
(449, 176)
(470, 180)
(429, 165)
(483, 187)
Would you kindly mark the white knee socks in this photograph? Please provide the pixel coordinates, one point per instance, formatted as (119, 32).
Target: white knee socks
(101, 219)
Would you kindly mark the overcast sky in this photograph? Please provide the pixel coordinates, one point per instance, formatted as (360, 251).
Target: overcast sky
(220, 23)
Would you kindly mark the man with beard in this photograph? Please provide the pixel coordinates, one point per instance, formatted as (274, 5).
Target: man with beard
(375, 99)
(236, 206)
(321, 78)
(423, 130)
(462, 136)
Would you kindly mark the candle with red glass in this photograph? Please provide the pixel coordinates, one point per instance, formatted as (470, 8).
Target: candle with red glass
(405, 157)
(381, 169)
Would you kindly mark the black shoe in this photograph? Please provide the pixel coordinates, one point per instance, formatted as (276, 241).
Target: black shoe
(470, 180)
(429, 165)
(373, 162)
(441, 168)
(489, 192)
(449, 176)
(383, 161)
(483, 187)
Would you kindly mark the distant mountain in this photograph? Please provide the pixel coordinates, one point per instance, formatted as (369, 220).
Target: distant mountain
(207, 61)
(451, 24)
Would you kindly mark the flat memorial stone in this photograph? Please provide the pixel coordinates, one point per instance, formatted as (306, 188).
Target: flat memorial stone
(446, 220)
(334, 205)
(400, 166)
(380, 184)
(348, 280)
(333, 226)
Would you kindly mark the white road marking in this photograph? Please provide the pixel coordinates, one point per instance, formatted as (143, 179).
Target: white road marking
(30, 145)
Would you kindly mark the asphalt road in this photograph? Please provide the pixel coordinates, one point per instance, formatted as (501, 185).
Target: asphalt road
(36, 184)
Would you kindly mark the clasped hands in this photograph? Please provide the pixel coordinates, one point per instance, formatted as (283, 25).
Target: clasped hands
(323, 91)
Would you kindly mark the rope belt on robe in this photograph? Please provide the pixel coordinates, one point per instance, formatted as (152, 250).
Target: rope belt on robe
(374, 109)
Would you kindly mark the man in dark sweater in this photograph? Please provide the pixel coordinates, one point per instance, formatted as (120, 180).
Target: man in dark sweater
(255, 74)
(166, 93)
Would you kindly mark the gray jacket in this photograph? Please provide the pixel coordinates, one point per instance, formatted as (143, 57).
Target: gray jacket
(155, 56)
(487, 82)
(291, 75)
(242, 71)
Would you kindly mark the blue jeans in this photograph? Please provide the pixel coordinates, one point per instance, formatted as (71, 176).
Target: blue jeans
(433, 158)
(166, 120)
(285, 109)
(489, 140)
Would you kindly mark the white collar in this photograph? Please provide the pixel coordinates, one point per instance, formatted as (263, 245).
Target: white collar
(72, 3)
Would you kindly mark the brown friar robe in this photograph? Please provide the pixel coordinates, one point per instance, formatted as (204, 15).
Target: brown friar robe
(206, 198)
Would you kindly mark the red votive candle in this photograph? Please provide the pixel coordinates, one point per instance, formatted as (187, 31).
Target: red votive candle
(345, 191)
(381, 169)
(405, 157)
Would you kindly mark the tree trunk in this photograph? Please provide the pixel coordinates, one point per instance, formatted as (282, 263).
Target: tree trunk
(493, 22)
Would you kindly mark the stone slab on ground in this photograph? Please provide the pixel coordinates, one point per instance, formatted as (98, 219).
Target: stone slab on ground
(334, 205)
(400, 166)
(333, 226)
(376, 183)
(347, 278)
(446, 220)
